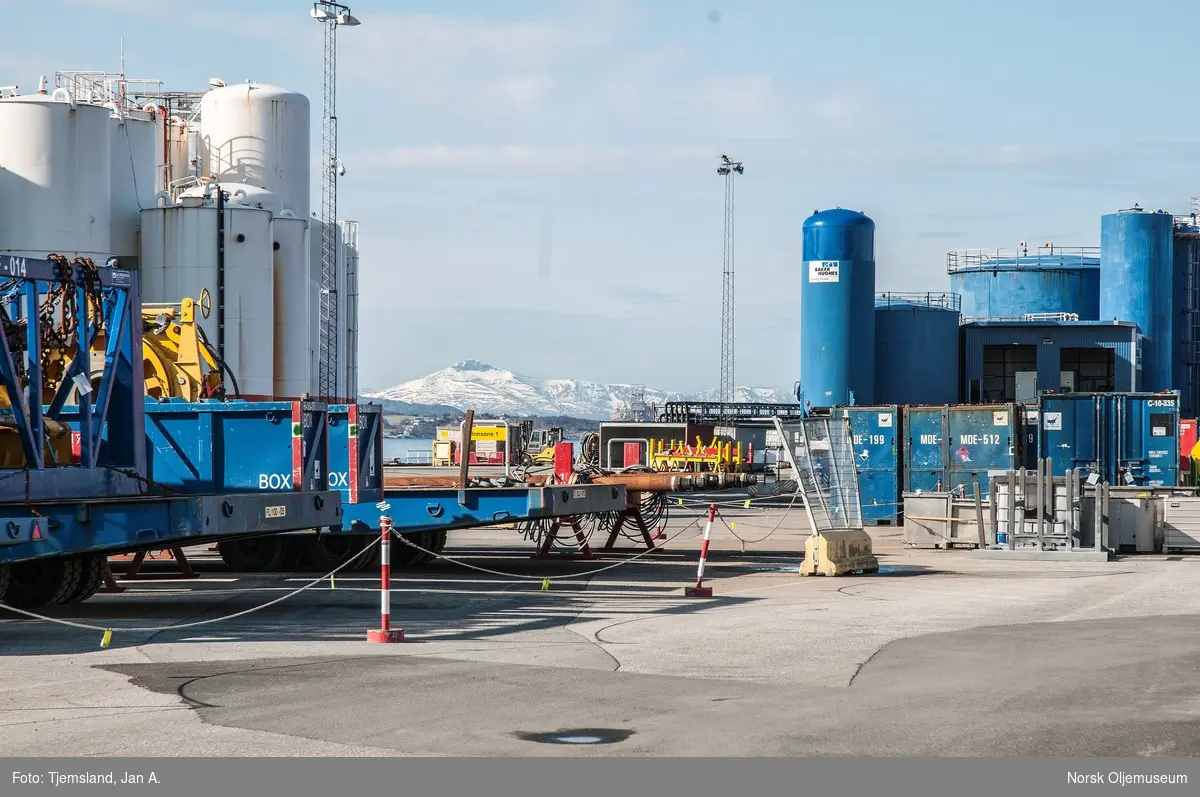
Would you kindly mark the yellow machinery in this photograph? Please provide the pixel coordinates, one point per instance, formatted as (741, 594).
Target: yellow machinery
(676, 455)
(541, 444)
(178, 361)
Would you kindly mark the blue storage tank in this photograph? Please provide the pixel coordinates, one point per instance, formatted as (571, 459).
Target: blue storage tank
(981, 438)
(1186, 272)
(1123, 438)
(1136, 284)
(877, 439)
(837, 309)
(924, 449)
(916, 348)
(1014, 284)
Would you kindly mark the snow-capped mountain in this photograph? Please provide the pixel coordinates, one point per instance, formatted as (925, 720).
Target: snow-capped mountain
(488, 389)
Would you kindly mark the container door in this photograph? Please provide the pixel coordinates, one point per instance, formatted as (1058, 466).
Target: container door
(925, 449)
(1030, 435)
(876, 459)
(982, 439)
(1069, 435)
(1148, 440)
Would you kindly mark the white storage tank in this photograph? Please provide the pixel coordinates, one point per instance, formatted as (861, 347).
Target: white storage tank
(295, 356)
(259, 135)
(135, 143)
(55, 184)
(179, 260)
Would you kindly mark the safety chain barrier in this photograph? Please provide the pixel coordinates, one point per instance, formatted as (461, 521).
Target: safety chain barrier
(106, 639)
(385, 633)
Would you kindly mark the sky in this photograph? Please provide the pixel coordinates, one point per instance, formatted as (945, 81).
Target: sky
(536, 181)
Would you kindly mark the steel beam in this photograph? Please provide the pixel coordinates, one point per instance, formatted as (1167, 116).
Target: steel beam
(155, 522)
(448, 508)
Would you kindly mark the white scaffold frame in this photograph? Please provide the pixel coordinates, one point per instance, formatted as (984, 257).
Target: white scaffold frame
(820, 451)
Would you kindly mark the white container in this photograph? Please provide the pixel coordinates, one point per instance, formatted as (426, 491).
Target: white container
(259, 134)
(134, 146)
(295, 358)
(55, 186)
(179, 260)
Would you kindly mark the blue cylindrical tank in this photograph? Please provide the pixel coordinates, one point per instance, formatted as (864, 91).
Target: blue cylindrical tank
(999, 286)
(916, 348)
(837, 309)
(1136, 284)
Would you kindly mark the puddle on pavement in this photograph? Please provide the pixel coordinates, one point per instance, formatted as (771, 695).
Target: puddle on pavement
(777, 569)
(577, 736)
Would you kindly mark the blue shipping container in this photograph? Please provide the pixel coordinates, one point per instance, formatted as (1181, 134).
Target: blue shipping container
(924, 449)
(234, 446)
(876, 433)
(356, 452)
(1121, 438)
(981, 439)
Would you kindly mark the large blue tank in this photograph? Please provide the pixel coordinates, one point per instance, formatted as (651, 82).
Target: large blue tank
(1186, 293)
(837, 309)
(1136, 284)
(916, 348)
(1054, 280)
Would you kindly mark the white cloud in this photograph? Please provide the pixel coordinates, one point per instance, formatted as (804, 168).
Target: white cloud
(549, 160)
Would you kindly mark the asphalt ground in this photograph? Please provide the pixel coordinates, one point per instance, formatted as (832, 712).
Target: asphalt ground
(938, 654)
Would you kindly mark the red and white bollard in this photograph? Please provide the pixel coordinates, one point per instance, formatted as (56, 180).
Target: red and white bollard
(701, 591)
(385, 632)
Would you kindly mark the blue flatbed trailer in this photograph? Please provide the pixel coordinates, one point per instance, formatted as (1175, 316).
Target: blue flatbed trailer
(149, 475)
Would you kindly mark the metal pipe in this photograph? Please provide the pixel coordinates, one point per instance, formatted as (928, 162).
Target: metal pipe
(1041, 515)
(221, 274)
(1069, 520)
(1021, 513)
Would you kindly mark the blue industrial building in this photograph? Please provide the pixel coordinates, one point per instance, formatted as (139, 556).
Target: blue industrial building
(1018, 360)
(837, 300)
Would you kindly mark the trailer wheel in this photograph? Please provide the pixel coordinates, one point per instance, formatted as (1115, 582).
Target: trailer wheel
(295, 550)
(427, 540)
(325, 552)
(91, 578)
(440, 544)
(42, 582)
(255, 555)
(405, 556)
(366, 561)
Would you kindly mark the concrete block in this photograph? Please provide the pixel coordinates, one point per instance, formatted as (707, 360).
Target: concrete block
(838, 553)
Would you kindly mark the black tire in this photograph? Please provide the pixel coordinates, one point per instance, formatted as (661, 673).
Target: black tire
(367, 560)
(42, 582)
(253, 555)
(91, 578)
(295, 550)
(405, 555)
(440, 544)
(5, 577)
(325, 552)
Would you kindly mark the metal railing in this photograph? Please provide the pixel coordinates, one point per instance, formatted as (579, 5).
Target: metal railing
(104, 87)
(1051, 317)
(945, 301)
(1042, 256)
